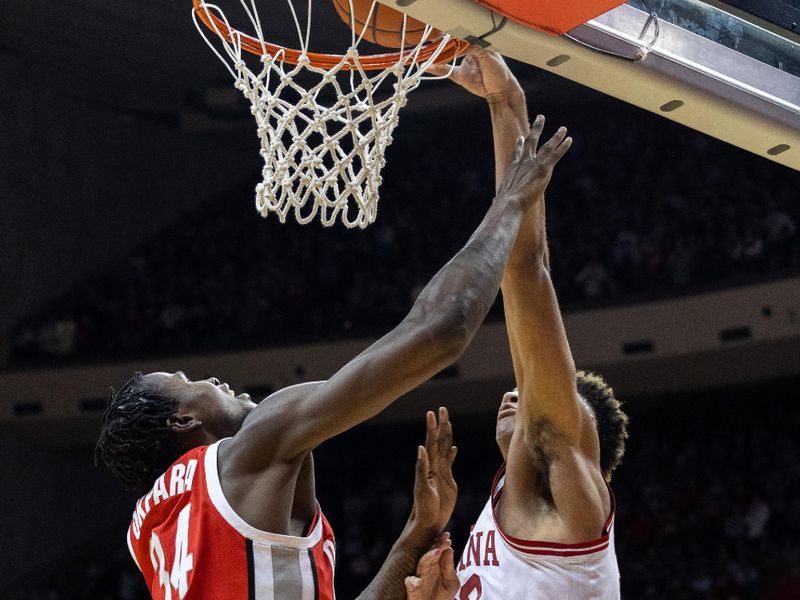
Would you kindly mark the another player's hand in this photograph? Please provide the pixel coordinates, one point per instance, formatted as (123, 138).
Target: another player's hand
(530, 170)
(482, 72)
(442, 453)
(435, 490)
(436, 577)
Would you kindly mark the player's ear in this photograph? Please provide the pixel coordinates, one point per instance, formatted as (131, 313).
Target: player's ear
(183, 423)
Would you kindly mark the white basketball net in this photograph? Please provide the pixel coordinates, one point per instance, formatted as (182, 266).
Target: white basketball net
(323, 146)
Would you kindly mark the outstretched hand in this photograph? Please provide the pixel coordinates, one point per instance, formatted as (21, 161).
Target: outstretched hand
(482, 72)
(436, 577)
(435, 490)
(530, 170)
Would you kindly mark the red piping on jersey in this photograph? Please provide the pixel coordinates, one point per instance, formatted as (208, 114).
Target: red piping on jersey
(552, 548)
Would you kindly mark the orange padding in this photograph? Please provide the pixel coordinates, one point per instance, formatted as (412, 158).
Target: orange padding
(551, 16)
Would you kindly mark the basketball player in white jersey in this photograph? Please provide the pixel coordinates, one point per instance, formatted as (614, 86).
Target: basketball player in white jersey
(546, 532)
(232, 511)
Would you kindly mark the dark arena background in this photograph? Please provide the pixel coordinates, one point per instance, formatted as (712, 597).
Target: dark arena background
(129, 242)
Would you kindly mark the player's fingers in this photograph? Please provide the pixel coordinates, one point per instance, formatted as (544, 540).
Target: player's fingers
(560, 151)
(553, 142)
(451, 454)
(447, 553)
(445, 441)
(447, 567)
(412, 583)
(445, 432)
(531, 141)
(533, 137)
(431, 435)
(439, 70)
(518, 149)
(421, 474)
(429, 563)
(465, 70)
(472, 49)
(442, 541)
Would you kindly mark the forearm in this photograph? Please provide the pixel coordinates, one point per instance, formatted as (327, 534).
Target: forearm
(530, 249)
(462, 292)
(509, 121)
(544, 367)
(399, 564)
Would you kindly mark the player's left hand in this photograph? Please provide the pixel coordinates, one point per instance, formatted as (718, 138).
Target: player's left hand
(439, 445)
(435, 489)
(482, 72)
(436, 577)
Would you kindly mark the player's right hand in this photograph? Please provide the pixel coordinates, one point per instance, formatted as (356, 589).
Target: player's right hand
(482, 72)
(527, 176)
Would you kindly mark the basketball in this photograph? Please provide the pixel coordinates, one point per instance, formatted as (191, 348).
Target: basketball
(385, 28)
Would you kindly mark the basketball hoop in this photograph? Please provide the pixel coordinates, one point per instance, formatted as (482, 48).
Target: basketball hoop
(323, 143)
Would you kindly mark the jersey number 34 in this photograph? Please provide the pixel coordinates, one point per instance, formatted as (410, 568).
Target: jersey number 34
(177, 578)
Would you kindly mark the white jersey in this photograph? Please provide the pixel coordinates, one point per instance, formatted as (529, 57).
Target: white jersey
(497, 566)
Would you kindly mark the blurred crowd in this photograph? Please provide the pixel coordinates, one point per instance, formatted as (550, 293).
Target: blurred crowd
(632, 213)
(708, 501)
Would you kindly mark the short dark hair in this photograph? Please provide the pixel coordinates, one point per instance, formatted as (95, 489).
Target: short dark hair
(612, 422)
(136, 442)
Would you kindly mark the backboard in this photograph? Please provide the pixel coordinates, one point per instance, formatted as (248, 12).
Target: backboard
(714, 71)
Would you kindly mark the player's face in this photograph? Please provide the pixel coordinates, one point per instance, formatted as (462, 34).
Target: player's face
(209, 401)
(506, 419)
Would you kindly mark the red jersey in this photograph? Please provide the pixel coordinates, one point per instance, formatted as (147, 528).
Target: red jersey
(190, 544)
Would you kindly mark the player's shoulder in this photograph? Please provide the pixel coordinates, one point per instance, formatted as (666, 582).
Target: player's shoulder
(267, 421)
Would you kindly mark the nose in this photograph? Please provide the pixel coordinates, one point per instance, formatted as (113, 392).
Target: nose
(214, 380)
(510, 398)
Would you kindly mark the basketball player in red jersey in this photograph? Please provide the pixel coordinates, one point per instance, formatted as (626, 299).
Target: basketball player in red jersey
(255, 529)
(547, 529)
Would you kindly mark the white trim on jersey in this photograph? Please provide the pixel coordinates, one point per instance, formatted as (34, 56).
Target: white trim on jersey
(551, 550)
(130, 547)
(234, 520)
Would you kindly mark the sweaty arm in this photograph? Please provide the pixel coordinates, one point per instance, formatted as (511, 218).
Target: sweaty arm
(433, 335)
(536, 333)
(551, 417)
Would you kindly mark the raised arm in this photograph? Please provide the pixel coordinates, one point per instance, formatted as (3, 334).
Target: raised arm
(552, 423)
(548, 404)
(536, 334)
(436, 331)
(554, 432)
(434, 499)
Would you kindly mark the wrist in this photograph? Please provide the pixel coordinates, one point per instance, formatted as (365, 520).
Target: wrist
(417, 537)
(513, 96)
(511, 199)
(525, 264)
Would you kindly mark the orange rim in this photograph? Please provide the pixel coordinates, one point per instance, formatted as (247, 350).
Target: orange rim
(372, 62)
